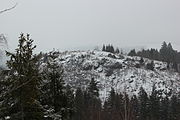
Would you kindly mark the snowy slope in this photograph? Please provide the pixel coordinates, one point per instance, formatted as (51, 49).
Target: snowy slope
(3, 48)
(117, 71)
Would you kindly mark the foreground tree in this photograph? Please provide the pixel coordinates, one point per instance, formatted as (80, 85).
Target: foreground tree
(56, 95)
(79, 105)
(24, 79)
(92, 101)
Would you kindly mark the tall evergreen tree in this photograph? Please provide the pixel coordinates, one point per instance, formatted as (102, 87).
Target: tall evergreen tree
(163, 51)
(174, 108)
(110, 106)
(104, 48)
(143, 104)
(164, 108)
(117, 50)
(93, 100)
(154, 104)
(79, 105)
(56, 94)
(24, 80)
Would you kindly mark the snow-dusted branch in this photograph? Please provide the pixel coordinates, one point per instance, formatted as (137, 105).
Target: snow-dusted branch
(5, 10)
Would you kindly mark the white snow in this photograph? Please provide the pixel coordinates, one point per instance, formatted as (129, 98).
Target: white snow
(81, 66)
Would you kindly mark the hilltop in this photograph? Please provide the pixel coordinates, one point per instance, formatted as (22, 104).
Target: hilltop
(121, 72)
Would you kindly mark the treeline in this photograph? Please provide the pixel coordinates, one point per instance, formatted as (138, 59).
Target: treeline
(165, 54)
(110, 48)
(120, 106)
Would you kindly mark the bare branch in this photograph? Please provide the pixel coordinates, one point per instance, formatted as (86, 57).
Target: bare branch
(5, 10)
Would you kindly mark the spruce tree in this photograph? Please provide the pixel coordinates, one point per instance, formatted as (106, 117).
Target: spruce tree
(56, 94)
(154, 104)
(109, 106)
(143, 102)
(141, 61)
(163, 51)
(150, 66)
(24, 78)
(117, 50)
(70, 99)
(164, 108)
(174, 108)
(79, 105)
(132, 53)
(104, 48)
(93, 100)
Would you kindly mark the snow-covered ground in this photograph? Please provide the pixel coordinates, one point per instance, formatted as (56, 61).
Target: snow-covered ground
(117, 71)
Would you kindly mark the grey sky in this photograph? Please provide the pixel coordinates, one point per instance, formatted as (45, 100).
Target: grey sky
(64, 24)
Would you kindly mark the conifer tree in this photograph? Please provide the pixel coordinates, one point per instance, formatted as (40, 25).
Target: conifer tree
(110, 105)
(164, 108)
(163, 51)
(141, 61)
(93, 100)
(24, 80)
(117, 50)
(143, 102)
(132, 53)
(174, 110)
(57, 95)
(154, 104)
(79, 105)
(150, 66)
(104, 48)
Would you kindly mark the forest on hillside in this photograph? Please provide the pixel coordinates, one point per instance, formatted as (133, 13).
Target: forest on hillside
(28, 92)
(105, 84)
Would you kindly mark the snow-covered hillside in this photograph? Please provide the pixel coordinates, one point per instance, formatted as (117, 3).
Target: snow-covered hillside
(3, 48)
(123, 73)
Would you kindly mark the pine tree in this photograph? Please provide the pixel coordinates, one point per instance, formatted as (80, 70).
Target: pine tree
(135, 107)
(54, 75)
(143, 102)
(150, 66)
(93, 100)
(104, 48)
(112, 49)
(56, 94)
(24, 78)
(163, 51)
(164, 108)
(79, 105)
(69, 108)
(117, 50)
(93, 88)
(109, 106)
(4, 98)
(174, 108)
(154, 104)
(141, 61)
(132, 53)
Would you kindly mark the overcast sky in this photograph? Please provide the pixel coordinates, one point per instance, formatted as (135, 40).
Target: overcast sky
(67, 24)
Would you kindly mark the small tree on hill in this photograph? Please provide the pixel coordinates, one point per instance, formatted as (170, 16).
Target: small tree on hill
(132, 53)
(141, 61)
(150, 66)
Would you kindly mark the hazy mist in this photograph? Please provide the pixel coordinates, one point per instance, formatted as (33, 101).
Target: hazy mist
(72, 24)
